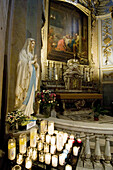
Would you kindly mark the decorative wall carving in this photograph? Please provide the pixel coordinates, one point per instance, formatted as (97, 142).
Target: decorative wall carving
(107, 41)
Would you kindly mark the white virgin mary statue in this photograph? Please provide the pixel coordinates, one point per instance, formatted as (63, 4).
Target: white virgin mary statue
(27, 78)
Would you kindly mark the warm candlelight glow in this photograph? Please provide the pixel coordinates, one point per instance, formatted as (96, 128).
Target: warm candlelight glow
(29, 151)
(42, 137)
(54, 160)
(28, 163)
(48, 139)
(50, 127)
(22, 143)
(79, 140)
(60, 141)
(75, 150)
(53, 149)
(68, 167)
(16, 167)
(46, 147)
(11, 149)
(40, 145)
(43, 126)
(19, 158)
(41, 157)
(34, 154)
(72, 137)
(62, 159)
(70, 142)
(33, 135)
(56, 77)
(67, 147)
(65, 137)
(53, 140)
(47, 158)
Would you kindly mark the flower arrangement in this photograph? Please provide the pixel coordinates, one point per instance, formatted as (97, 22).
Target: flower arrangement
(15, 117)
(46, 99)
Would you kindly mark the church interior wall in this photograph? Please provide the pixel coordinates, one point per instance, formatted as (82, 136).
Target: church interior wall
(18, 40)
(3, 25)
(19, 34)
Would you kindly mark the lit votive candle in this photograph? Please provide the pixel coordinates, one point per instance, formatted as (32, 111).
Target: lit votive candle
(29, 151)
(54, 160)
(75, 150)
(48, 139)
(60, 141)
(62, 159)
(42, 136)
(68, 167)
(22, 143)
(19, 158)
(11, 149)
(55, 132)
(33, 135)
(34, 154)
(53, 149)
(79, 140)
(53, 140)
(28, 163)
(43, 126)
(16, 167)
(47, 158)
(41, 157)
(40, 145)
(70, 142)
(65, 136)
(46, 148)
(72, 137)
(50, 127)
(67, 147)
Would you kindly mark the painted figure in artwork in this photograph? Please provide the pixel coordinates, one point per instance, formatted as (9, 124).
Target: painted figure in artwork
(27, 78)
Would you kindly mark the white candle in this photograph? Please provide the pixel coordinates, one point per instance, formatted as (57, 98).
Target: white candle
(62, 159)
(19, 158)
(33, 135)
(68, 167)
(50, 127)
(11, 149)
(67, 147)
(28, 163)
(65, 137)
(42, 136)
(75, 150)
(41, 157)
(29, 151)
(47, 62)
(48, 139)
(43, 126)
(47, 158)
(53, 149)
(40, 145)
(72, 137)
(34, 154)
(53, 140)
(56, 77)
(16, 167)
(54, 160)
(70, 142)
(22, 143)
(46, 147)
(60, 141)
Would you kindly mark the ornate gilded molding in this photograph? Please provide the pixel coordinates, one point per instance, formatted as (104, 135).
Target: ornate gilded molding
(107, 41)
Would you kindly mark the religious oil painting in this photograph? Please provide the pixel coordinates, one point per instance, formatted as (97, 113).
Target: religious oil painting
(67, 33)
